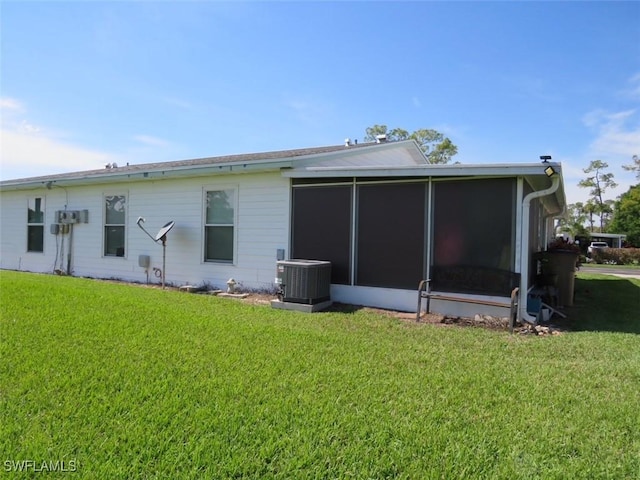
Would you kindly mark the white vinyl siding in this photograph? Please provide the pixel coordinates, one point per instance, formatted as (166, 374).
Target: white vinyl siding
(261, 212)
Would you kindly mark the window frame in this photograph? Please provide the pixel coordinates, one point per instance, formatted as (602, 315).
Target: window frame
(106, 225)
(389, 264)
(31, 225)
(234, 225)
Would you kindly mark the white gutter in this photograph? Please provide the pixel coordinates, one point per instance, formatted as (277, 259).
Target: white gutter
(431, 170)
(524, 250)
(140, 173)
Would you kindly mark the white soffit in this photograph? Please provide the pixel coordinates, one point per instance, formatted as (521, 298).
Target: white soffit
(394, 154)
(379, 158)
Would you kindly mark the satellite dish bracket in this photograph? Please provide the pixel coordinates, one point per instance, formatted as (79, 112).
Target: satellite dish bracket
(161, 236)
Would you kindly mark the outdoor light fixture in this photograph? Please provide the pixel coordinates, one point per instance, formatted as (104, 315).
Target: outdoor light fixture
(545, 158)
(549, 171)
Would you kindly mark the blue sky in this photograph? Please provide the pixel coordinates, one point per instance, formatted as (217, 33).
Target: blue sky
(87, 83)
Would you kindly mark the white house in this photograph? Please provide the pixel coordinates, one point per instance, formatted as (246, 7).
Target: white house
(382, 215)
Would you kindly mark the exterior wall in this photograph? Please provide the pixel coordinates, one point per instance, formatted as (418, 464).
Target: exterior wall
(407, 301)
(13, 232)
(261, 229)
(389, 298)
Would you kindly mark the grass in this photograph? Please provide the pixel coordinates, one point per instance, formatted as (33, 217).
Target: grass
(606, 303)
(131, 382)
(606, 266)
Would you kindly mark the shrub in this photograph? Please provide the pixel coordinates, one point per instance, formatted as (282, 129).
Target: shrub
(617, 256)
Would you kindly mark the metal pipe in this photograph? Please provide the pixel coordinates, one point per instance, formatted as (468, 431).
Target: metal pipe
(164, 258)
(70, 249)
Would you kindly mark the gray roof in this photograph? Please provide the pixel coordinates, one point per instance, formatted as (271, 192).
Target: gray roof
(358, 160)
(245, 158)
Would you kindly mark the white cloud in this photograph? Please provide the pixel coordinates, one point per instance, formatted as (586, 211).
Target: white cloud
(10, 104)
(28, 150)
(27, 155)
(634, 89)
(615, 133)
(151, 141)
(304, 110)
(615, 137)
(572, 175)
(416, 102)
(307, 110)
(27, 127)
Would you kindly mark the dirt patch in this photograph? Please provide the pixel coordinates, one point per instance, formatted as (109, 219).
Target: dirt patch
(478, 321)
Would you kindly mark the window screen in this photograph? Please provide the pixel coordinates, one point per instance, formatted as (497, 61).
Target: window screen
(391, 225)
(473, 223)
(322, 227)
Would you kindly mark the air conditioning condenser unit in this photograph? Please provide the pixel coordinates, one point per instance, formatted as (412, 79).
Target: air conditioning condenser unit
(304, 281)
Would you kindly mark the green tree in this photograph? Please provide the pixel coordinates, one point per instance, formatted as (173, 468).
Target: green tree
(589, 209)
(576, 218)
(436, 147)
(626, 217)
(634, 167)
(606, 211)
(599, 182)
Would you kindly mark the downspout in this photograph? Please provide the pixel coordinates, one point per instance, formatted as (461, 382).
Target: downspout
(524, 251)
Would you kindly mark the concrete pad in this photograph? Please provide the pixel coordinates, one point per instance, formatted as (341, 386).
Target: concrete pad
(233, 295)
(188, 288)
(301, 307)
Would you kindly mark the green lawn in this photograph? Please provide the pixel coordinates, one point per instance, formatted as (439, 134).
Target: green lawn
(605, 266)
(606, 303)
(133, 382)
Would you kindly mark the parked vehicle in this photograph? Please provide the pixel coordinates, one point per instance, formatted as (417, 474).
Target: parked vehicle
(596, 246)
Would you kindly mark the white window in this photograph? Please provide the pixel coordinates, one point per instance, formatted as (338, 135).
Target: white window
(115, 207)
(35, 225)
(219, 229)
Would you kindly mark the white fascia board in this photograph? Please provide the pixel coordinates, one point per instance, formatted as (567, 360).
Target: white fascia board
(160, 171)
(459, 170)
(125, 174)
